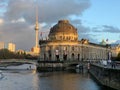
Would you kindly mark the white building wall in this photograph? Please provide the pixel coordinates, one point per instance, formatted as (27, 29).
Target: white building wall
(11, 47)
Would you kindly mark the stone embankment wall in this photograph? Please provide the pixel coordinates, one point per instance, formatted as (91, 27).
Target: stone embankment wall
(106, 76)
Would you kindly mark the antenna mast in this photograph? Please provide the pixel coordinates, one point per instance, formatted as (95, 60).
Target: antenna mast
(36, 27)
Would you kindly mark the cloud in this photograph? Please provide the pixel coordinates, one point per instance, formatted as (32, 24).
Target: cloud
(49, 10)
(19, 33)
(106, 28)
(1, 21)
(117, 42)
(2, 5)
(111, 29)
(77, 23)
(112, 41)
(97, 29)
(83, 29)
(90, 37)
(19, 18)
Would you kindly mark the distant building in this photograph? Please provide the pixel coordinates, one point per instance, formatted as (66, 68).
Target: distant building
(11, 47)
(20, 51)
(115, 50)
(103, 42)
(2, 45)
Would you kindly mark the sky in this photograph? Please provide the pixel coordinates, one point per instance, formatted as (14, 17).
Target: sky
(94, 19)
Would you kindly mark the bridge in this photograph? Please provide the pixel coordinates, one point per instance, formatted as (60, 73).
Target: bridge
(9, 62)
(46, 65)
(18, 64)
(57, 65)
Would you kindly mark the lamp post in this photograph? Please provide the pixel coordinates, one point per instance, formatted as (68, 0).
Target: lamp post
(106, 52)
(82, 42)
(106, 49)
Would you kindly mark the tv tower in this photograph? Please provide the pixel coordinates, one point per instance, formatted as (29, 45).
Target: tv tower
(36, 28)
(36, 48)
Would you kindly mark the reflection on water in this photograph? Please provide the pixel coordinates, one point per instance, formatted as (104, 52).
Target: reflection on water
(31, 80)
(66, 81)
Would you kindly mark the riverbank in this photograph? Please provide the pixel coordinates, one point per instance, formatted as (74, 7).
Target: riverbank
(106, 76)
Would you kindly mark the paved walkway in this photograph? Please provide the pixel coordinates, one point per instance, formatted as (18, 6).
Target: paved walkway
(117, 66)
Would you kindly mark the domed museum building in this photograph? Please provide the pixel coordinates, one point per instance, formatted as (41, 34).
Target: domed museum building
(63, 44)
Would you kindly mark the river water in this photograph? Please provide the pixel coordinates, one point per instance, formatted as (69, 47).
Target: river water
(27, 79)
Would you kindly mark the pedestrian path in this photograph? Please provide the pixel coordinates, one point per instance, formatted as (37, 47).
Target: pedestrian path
(117, 66)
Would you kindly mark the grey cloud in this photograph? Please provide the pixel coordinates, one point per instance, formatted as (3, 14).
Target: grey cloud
(20, 34)
(117, 42)
(83, 29)
(106, 28)
(19, 8)
(90, 37)
(97, 29)
(2, 1)
(2, 5)
(63, 8)
(77, 23)
(111, 29)
(49, 10)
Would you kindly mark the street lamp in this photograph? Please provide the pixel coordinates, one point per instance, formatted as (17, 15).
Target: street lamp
(82, 41)
(106, 52)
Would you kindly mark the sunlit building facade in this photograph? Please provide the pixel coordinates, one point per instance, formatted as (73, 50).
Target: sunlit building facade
(2, 45)
(11, 47)
(63, 44)
(115, 50)
(20, 51)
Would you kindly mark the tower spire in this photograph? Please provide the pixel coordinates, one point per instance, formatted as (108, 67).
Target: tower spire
(37, 24)
(36, 27)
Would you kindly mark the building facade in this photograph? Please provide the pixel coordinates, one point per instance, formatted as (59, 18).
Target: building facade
(2, 45)
(63, 44)
(115, 50)
(11, 47)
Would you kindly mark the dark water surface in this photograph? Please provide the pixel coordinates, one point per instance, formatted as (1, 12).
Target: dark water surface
(31, 80)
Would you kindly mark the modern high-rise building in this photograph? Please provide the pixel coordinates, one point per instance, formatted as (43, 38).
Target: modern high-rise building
(2, 45)
(11, 47)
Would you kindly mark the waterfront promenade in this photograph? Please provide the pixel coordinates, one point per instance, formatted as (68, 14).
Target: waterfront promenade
(106, 74)
(117, 65)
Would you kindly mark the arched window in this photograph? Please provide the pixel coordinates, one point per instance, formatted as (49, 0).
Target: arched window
(60, 37)
(69, 37)
(72, 56)
(73, 48)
